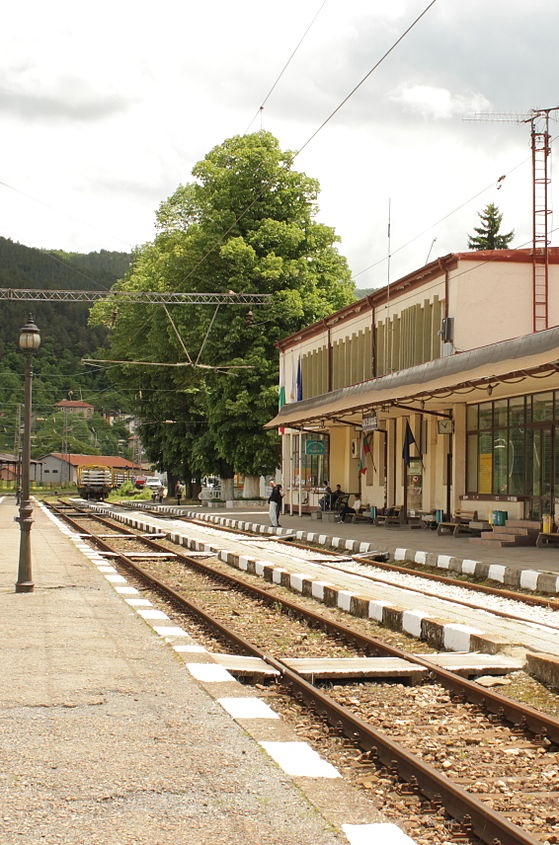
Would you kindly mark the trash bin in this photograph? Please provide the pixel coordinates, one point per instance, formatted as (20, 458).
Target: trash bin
(499, 517)
(439, 516)
(547, 523)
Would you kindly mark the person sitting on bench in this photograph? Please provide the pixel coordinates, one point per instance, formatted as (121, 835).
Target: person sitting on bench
(326, 501)
(347, 510)
(335, 496)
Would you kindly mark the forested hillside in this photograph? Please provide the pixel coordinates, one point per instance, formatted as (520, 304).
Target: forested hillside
(65, 334)
(62, 324)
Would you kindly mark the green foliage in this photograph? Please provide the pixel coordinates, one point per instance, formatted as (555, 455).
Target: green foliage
(65, 334)
(247, 224)
(487, 235)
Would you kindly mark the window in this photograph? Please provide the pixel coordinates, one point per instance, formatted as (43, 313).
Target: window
(500, 443)
(312, 461)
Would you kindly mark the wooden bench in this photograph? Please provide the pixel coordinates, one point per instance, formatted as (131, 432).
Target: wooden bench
(391, 517)
(365, 514)
(460, 524)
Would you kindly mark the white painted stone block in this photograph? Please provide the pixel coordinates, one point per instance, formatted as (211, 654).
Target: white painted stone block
(529, 579)
(497, 573)
(344, 600)
(411, 622)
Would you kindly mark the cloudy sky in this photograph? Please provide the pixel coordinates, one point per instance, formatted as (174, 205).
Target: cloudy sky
(106, 107)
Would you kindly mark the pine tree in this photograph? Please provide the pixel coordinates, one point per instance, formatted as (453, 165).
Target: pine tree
(487, 235)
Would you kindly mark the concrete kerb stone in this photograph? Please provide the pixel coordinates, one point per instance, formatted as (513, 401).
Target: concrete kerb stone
(548, 583)
(545, 667)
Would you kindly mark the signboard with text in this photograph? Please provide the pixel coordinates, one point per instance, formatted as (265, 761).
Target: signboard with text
(315, 447)
(370, 423)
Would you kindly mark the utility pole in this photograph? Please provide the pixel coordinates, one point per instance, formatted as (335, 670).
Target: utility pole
(541, 212)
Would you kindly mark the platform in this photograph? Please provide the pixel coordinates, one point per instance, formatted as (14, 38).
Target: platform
(116, 727)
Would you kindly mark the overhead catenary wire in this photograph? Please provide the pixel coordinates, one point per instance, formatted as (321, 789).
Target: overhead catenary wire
(442, 219)
(306, 143)
(203, 258)
(367, 75)
(286, 65)
(348, 96)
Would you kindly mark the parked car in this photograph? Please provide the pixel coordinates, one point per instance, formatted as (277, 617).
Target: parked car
(153, 483)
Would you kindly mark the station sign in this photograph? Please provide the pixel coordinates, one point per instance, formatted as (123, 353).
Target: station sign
(370, 423)
(315, 447)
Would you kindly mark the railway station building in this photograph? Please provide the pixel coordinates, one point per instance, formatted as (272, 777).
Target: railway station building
(436, 393)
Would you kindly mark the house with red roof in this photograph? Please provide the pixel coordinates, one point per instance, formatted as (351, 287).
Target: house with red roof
(71, 406)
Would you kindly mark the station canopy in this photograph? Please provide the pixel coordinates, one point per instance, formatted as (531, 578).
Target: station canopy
(507, 368)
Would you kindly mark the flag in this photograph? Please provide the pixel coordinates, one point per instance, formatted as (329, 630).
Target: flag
(281, 394)
(365, 451)
(299, 382)
(408, 440)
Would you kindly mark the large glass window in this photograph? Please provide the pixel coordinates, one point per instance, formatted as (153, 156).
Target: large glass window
(542, 407)
(508, 443)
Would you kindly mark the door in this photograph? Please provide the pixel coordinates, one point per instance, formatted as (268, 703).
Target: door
(540, 470)
(414, 481)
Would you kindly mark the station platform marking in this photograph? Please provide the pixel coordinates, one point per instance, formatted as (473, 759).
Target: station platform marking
(299, 760)
(210, 673)
(383, 833)
(247, 708)
(296, 759)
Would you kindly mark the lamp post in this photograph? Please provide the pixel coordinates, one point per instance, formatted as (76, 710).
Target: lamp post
(29, 342)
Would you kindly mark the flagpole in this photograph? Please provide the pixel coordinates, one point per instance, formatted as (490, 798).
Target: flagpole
(408, 440)
(404, 519)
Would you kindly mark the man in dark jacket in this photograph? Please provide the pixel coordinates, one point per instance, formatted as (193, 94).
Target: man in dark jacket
(274, 500)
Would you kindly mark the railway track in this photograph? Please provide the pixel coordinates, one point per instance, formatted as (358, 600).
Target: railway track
(448, 738)
(416, 578)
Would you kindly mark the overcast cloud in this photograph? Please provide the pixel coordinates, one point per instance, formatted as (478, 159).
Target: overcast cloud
(106, 107)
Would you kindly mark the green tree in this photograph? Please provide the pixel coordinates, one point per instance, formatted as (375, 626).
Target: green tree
(487, 235)
(247, 224)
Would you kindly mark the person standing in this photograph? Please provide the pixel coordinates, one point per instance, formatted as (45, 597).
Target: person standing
(274, 501)
(178, 491)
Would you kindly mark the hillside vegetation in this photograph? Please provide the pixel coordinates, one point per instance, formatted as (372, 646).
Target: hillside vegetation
(65, 334)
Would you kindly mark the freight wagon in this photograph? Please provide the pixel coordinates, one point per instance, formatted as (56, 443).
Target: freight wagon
(96, 482)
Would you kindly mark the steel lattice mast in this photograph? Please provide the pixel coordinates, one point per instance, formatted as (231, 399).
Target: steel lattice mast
(541, 213)
(153, 297)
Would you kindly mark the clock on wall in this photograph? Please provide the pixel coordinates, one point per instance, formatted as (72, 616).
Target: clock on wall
(445, 426)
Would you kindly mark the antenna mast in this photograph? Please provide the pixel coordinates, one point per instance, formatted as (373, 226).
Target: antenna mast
(541, 213)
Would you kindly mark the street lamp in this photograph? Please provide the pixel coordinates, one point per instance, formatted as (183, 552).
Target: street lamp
(29, 342)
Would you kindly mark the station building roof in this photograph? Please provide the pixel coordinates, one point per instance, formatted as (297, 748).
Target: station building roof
(497, 369)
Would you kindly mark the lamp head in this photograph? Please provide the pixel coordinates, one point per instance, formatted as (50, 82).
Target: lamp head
(29, 336)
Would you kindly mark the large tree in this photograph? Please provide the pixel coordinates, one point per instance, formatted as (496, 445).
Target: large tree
(247, 223)
(487, 235)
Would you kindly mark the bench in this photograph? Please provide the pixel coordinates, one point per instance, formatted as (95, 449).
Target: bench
(392, 516)
(460, 524)
(366, 514)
